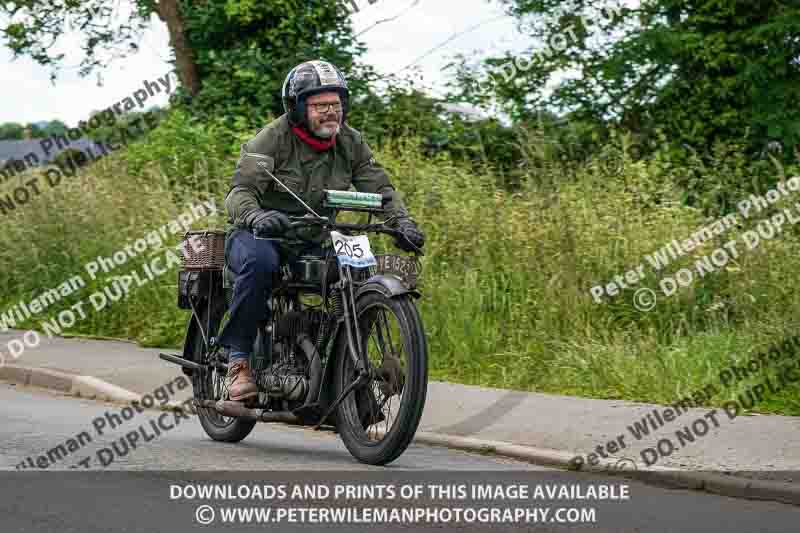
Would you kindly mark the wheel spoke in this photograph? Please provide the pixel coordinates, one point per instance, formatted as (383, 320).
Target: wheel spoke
(379, 431)
(389, 414)
(388, 372)
(213, 384)
(384, 321)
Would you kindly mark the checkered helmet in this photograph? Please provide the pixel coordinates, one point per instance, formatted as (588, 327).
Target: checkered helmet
(310, 78)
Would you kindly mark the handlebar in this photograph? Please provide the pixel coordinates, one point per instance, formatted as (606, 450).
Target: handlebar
(323, 222)
(298, 222)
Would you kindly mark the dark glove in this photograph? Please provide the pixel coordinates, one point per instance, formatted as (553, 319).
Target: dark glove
(271, 224)
(412, 237)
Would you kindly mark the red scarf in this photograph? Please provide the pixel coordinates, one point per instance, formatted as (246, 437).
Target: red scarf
(313, 142)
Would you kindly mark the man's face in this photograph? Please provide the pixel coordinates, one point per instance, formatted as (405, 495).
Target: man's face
(324, 123)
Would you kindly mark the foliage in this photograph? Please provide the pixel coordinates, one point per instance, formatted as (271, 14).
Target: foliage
(11, 131)
(658, 129)
(188, 154)
(244, 51)
(701, 71)
(124, 128)
(241, 50)
(15, 131)
(33, 28)
(506, 276)
(403, 110)
(70, 158)
(54, 127)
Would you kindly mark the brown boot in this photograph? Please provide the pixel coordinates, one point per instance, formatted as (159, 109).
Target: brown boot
(240, 382)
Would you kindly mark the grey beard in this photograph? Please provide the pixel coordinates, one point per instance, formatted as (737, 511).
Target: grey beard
(325, 132)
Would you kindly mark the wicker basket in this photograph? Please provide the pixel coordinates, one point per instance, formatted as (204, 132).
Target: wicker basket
(203, 250)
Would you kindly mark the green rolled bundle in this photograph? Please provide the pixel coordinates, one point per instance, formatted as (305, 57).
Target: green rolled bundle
(352, 199)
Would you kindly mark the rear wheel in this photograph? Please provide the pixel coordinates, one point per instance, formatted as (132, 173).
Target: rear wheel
(378, 421)
(209, 384)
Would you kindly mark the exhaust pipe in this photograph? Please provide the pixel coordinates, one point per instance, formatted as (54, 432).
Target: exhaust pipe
(238, 410)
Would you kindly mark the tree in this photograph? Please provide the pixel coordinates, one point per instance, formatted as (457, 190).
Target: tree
(228, 54)
(54, 127)
(35, 131)
(35, 26)
(701, 70)
(11, 131)
(245, 48)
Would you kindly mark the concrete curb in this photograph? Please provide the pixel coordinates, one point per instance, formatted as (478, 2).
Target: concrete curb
(92, 387)
(88, 387)
(724, 485)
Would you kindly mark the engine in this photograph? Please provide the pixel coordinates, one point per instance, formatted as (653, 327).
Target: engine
(294, 348)
(284, 380)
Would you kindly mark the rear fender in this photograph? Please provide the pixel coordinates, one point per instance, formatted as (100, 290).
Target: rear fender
(192, 333)
(201, 303)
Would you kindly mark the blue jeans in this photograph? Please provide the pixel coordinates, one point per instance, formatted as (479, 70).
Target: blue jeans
(253, 263)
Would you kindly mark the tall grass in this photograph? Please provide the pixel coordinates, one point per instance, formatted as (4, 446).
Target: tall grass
(506, 276)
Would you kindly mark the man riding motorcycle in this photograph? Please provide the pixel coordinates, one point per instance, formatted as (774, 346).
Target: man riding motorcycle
(309, 148)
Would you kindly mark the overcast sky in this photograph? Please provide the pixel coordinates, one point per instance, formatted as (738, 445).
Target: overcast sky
(28, 96)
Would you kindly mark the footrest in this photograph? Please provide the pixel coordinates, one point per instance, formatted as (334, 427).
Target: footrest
(309, 413)
(178, 360)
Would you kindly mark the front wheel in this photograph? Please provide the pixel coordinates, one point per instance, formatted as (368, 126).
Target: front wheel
(378, 421)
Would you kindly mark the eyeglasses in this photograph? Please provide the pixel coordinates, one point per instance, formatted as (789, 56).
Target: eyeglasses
(323, 108)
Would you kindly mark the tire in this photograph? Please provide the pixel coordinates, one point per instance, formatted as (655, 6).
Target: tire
(216, 426)
(351, 414)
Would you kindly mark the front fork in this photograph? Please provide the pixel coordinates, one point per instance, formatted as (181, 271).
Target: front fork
(350, 316)
(360, 361)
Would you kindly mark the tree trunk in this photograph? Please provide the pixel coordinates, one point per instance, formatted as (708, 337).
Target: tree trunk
(169, 12)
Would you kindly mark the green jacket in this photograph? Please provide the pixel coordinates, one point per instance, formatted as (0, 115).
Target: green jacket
(305, 171)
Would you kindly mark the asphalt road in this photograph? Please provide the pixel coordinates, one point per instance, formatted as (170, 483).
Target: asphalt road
(132, 492)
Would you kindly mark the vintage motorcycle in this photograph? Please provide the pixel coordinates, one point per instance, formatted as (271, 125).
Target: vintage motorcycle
(343, 346)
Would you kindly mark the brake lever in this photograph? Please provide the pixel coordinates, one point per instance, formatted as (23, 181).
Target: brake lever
(309, 219)
(397, 233)
(417, 251)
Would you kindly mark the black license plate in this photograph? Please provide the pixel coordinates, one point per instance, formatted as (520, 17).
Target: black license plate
(404, 267)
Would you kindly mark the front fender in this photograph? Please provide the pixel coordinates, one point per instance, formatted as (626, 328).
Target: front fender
(388, 285)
